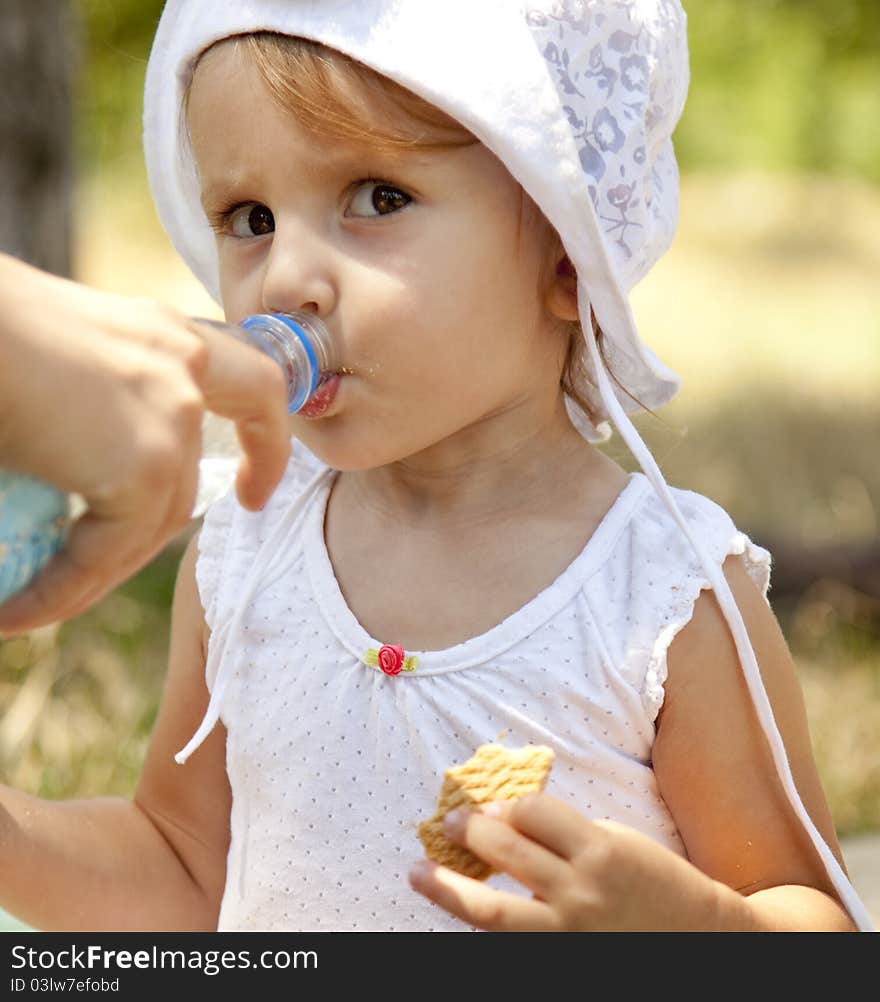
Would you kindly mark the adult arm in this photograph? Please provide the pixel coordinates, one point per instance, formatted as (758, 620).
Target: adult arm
(103, 396)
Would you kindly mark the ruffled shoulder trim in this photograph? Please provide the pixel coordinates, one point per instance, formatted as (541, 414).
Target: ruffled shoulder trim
(680, 612)
(646, 592)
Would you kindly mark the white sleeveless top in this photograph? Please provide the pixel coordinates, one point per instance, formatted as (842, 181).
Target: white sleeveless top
(333, 763)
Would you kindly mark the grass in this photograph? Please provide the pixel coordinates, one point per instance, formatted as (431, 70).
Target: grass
(767, 305)
(79, 700)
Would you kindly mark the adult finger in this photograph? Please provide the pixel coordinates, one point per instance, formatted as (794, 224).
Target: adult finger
(264, 460)
(67, 586)
(508, 850)
(546, 820)
(99, 553)
(478, 905)
(240, 383)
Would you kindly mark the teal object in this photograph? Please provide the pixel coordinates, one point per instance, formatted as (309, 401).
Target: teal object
(33, 523)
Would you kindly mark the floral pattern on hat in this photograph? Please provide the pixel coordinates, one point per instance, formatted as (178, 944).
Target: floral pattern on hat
(620, 69)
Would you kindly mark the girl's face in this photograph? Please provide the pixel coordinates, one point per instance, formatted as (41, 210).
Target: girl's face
(420, 263)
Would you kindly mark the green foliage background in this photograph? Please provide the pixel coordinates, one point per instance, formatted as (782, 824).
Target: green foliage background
(778, 84)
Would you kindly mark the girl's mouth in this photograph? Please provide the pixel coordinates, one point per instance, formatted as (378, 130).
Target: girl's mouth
(323, 396)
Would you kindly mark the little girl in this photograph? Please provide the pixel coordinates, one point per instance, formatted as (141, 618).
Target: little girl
(464, 192)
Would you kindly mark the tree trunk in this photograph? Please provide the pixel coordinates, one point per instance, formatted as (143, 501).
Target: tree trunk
(36, 170)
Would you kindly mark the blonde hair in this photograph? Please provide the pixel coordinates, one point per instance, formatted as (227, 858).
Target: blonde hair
(333, 95)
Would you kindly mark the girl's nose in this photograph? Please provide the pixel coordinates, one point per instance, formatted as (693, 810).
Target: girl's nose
(298, 276)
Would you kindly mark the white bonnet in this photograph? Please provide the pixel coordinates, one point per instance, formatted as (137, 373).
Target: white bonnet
(578, 98)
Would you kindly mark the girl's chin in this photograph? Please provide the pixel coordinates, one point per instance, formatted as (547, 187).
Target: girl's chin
(333, 446)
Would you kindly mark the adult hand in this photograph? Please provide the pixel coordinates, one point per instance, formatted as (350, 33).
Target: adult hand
(103, 396)
(584, 875)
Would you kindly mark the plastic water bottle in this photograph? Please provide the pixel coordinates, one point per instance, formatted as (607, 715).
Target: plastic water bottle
(301, 344)
(35, 517)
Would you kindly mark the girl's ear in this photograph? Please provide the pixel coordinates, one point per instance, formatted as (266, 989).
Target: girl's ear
(562, 294)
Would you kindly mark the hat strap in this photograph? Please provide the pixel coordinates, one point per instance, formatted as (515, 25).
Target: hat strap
(725, 598)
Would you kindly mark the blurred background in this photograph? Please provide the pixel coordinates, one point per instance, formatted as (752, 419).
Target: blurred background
(768, 306)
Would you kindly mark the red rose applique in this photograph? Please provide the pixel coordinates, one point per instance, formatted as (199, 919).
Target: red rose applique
(391, 657)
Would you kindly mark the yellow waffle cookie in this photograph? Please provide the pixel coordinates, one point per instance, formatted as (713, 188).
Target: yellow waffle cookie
(493, 773)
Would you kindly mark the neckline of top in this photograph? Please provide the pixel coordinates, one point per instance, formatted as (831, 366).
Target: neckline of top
(481, 648)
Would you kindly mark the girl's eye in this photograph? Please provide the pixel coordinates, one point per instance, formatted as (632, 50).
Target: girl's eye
(376, 198)
(251, 221)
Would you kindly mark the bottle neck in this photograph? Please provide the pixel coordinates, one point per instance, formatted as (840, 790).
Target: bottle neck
(299, 342)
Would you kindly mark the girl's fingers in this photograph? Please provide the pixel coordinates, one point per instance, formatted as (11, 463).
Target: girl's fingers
(509, 851)
(547, 821)
(478, 905)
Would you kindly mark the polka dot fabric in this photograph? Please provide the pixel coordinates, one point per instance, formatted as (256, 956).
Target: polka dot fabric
(334, 763)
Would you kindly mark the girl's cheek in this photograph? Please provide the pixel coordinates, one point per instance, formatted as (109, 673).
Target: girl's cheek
(240, 283)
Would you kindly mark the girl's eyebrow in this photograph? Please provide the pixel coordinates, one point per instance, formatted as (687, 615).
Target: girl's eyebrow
(353, 158)
(216, 189)
(332, 165)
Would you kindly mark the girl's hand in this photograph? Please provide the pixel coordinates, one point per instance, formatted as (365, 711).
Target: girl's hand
(584, 875)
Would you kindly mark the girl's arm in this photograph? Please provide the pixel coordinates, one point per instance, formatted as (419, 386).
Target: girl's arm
(715, 772)
(154, 863)
(751, 865)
